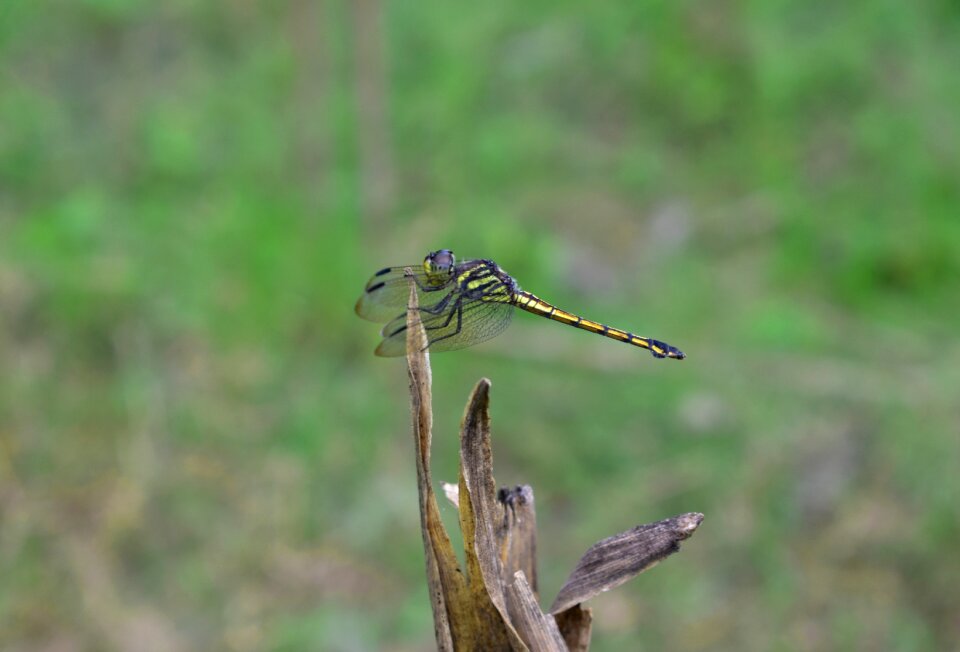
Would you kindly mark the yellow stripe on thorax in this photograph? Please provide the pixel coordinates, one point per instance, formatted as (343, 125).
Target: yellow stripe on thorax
(469, 281)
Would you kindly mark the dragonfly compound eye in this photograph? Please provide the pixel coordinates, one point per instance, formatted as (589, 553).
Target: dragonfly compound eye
(439, 262)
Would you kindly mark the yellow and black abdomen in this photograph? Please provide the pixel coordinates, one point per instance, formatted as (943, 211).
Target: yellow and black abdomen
(536, 305)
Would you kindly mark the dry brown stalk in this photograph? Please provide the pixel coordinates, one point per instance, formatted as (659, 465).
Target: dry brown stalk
(492, 604)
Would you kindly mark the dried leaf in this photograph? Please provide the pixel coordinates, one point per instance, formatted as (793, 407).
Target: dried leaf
(517, 539)
(537, 629)
(517, 535)
(444, 581)
(479, 510)
(575, 627)
(615, 560)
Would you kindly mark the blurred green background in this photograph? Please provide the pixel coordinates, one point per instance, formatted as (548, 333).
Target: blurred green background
(198, 450)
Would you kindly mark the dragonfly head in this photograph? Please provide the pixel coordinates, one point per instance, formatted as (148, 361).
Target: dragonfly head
(439, 263)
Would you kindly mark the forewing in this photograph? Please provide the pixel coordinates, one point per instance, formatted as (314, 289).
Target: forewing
(386, 293)
(480, 320)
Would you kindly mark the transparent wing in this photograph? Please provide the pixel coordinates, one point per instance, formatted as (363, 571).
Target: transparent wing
(476, 322)
(386, 293)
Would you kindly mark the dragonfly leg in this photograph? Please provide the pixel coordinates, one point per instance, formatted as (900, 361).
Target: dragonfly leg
(458, 310)
(432, 310)
(438, 307)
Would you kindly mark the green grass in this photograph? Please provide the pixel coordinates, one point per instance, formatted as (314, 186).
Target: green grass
(198, 450)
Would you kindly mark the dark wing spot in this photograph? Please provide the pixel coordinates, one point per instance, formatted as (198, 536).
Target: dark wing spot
(385, 270)
(376, 286)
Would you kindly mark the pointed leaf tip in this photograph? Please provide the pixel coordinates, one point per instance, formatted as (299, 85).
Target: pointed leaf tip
(614, 560)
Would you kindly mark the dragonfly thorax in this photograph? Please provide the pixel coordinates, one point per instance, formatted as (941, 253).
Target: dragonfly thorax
(484, 280)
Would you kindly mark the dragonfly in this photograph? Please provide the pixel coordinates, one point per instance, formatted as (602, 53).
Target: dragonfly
(467, 302)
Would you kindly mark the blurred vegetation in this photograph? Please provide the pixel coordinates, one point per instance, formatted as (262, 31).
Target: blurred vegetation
(198, 450)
